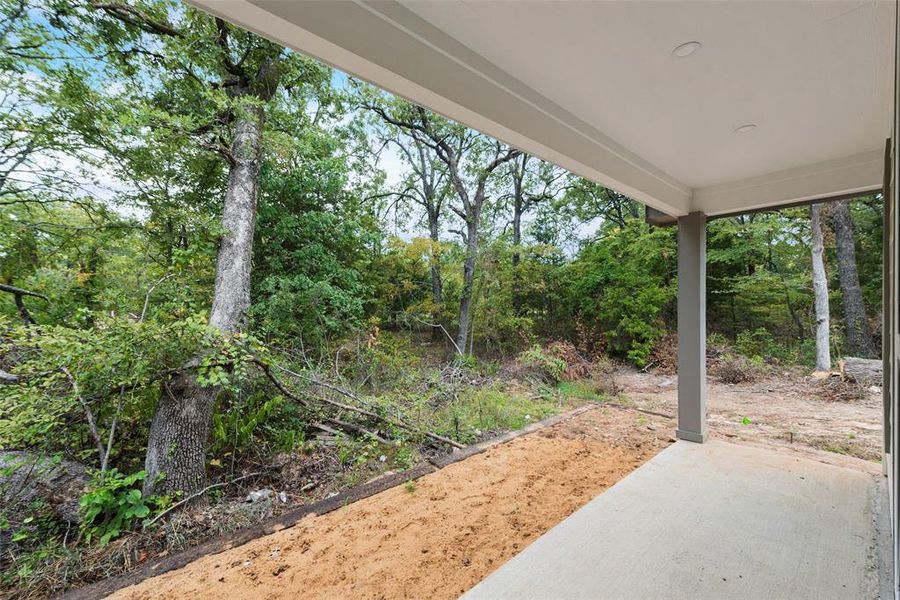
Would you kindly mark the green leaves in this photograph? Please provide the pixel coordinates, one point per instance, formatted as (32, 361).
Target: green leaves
(114, 505)
(116, 363)
(624, 285)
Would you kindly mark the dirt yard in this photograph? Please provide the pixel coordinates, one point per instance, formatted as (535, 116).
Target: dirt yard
(781, 410)
(440, 535)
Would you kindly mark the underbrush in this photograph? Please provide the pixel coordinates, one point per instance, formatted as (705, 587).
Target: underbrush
(833, 389)
(282, 449)
(735, 369)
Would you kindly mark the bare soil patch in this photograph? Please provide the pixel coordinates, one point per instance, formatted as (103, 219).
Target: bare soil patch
(785, 409)
(439, 535)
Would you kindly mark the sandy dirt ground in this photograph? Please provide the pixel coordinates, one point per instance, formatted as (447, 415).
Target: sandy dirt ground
(442, 534)
(779, 410)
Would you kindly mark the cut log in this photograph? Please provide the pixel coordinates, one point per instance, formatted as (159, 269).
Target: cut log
(864, 371)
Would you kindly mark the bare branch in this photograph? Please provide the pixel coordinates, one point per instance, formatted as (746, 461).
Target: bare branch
(92, 423)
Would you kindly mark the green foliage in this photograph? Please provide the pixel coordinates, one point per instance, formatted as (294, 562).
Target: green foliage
(582, 390)
(759, 344)
(117, 145)
(465, 361)
(357, 451)
(117, 361)
(235, 428)
(624, 284)
(549, 368)
(309, 245)
(115, 504)
(379, 360)
(479, 413)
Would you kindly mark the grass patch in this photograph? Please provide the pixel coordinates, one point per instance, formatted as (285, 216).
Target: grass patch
(482, 413)
(581, 390)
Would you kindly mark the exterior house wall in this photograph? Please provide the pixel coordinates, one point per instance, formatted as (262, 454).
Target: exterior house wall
(891, 318)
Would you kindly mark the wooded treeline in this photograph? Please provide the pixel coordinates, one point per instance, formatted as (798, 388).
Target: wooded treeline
(185, 206)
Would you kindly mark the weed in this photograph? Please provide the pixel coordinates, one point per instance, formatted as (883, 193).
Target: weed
(114, 504)
(474, 414)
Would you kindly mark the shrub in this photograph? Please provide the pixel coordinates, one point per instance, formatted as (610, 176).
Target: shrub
(576, 366)
(540, 364)
(465, 361)
(758, 343)
(623, 285)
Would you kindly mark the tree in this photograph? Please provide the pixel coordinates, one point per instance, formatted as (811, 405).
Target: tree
(219, 81)
(426, 187)
(530, 186)
(820, 290)
(624, 285)
(311, 281)
(858, 332)
(470, 160)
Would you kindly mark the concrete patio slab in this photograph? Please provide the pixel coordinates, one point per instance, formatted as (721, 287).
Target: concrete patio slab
(714, 520)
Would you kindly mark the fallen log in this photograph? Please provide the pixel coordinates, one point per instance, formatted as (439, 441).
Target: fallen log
(864, 371)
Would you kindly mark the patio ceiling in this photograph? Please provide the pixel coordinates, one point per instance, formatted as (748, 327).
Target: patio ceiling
(595, 87)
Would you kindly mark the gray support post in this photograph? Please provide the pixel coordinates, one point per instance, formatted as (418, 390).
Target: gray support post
(692, 328)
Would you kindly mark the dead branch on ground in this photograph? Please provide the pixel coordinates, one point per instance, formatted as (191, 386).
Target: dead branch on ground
(392, 421)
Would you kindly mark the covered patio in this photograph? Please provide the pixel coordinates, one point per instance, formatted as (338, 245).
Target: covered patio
(714, 520)
(697, 110)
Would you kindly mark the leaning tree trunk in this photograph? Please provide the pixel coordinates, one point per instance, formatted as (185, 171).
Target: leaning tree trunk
(179, 432)
(859, 335)
(465, 297)
(437, 285)
(820, 290)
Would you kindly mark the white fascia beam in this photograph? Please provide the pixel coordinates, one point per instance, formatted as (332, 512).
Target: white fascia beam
(857, 174)
(390, 46)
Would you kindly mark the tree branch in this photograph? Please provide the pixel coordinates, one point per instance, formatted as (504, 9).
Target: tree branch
(92, 423)
(137, 18)
(362, 411)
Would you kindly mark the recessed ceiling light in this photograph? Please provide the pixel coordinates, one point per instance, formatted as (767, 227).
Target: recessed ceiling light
(746, 128)
(686, 49)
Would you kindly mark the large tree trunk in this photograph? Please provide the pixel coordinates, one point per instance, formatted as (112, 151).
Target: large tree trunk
(820, 290)
(859, 335)
(465, 298)
(179, 432)
(437, 286)
(176, 447)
